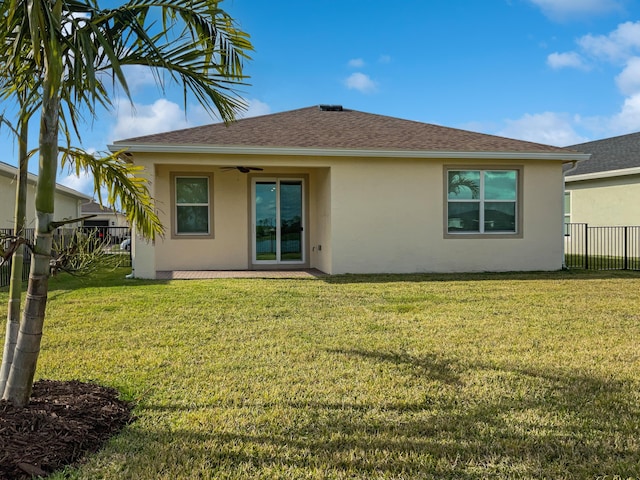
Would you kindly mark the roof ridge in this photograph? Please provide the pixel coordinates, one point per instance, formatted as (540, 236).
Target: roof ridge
(608, 139)
(346, 129)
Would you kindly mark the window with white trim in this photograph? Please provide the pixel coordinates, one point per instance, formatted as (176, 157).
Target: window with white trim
(482, 201)
(192, 205)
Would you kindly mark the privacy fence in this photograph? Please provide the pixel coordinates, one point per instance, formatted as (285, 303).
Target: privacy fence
(602, 248)
(109, 239)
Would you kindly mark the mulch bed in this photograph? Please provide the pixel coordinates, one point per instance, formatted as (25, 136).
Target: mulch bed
(63, 422)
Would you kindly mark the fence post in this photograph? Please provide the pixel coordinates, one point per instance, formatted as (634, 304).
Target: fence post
(626, 252)
(586, 246)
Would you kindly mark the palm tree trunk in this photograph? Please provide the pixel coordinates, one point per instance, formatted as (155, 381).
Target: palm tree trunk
(15, 285)
(20, 381)
(27, 350)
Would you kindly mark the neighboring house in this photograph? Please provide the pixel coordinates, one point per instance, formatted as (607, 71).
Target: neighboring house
(67, 201)
(344, 191)
(102, 216)
(605, 191)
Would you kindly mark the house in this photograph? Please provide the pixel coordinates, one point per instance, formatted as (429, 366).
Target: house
(103, 216)
(605, 191)
(68, 202)
(344, 191)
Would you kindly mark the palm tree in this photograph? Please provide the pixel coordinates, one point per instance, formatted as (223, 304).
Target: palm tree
(75, 45)
(120, 177)
(18, 86)
(17, 257)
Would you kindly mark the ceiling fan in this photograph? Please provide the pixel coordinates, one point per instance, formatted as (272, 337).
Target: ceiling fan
(241, 169)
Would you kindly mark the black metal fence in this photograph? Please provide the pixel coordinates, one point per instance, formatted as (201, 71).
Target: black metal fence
(5, 269)
(110, 239)
(602, 248)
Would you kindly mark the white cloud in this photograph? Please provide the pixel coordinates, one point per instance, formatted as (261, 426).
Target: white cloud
(617, 46)
(628, 119)
(356, 63)
(620, 47)
(361, 82)
(566, 60)
(83, 183)
(164, 115)
(384, 59)
(548, 128)
(138, 77)
(566, 9)
(256, 108)
(160, 116)
(628, 81)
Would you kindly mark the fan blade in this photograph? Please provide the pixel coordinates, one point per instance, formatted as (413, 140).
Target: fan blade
(240, 168)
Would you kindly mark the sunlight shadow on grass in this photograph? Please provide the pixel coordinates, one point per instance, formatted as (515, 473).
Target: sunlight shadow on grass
(572, 427)
(426, 366)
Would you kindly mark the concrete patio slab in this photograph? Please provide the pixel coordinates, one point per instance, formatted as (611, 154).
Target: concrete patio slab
(206, 274)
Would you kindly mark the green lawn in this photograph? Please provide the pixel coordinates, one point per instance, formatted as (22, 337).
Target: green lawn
(359, 377)
(602, 262)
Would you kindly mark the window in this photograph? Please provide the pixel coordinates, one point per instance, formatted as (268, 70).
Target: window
(482, 201)
(192, 202)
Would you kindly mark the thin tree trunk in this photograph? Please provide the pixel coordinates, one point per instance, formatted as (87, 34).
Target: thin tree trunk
(27, 350)
(15, 285)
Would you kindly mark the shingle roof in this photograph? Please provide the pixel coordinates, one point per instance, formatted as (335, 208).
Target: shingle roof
(609, 154)
(313, 127)
(95, 207)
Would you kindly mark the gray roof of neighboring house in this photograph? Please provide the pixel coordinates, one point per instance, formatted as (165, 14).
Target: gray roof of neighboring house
(614, 153)
(11, 172)
(319, 128)
(95, 207)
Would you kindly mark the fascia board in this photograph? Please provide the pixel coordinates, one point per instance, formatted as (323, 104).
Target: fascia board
(605, 174)
(10, 171)
(71, 192)
(330, 152)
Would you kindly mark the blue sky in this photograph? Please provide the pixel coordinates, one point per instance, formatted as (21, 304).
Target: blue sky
(552, 71)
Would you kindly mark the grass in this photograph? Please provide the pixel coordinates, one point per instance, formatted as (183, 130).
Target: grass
(359, 377)
(603, 262)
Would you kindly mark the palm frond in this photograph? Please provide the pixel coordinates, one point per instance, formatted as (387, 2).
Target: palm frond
(206, 57)
(459, 182)
(125, 187)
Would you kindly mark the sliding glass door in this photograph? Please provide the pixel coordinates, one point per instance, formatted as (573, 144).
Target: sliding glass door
(278, 220)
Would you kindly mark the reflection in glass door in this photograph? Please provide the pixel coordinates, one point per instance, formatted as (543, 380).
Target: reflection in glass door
(278, 222)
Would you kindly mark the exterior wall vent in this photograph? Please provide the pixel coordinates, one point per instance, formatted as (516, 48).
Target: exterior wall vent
(330, 108)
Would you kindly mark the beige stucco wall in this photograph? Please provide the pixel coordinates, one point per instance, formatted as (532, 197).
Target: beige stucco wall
(393, 221)
(229, 249)
(66, 206)
(320, 221)
(114, 219)
(143, 250)
(7, 202)
(611, 201)
(364, 216)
